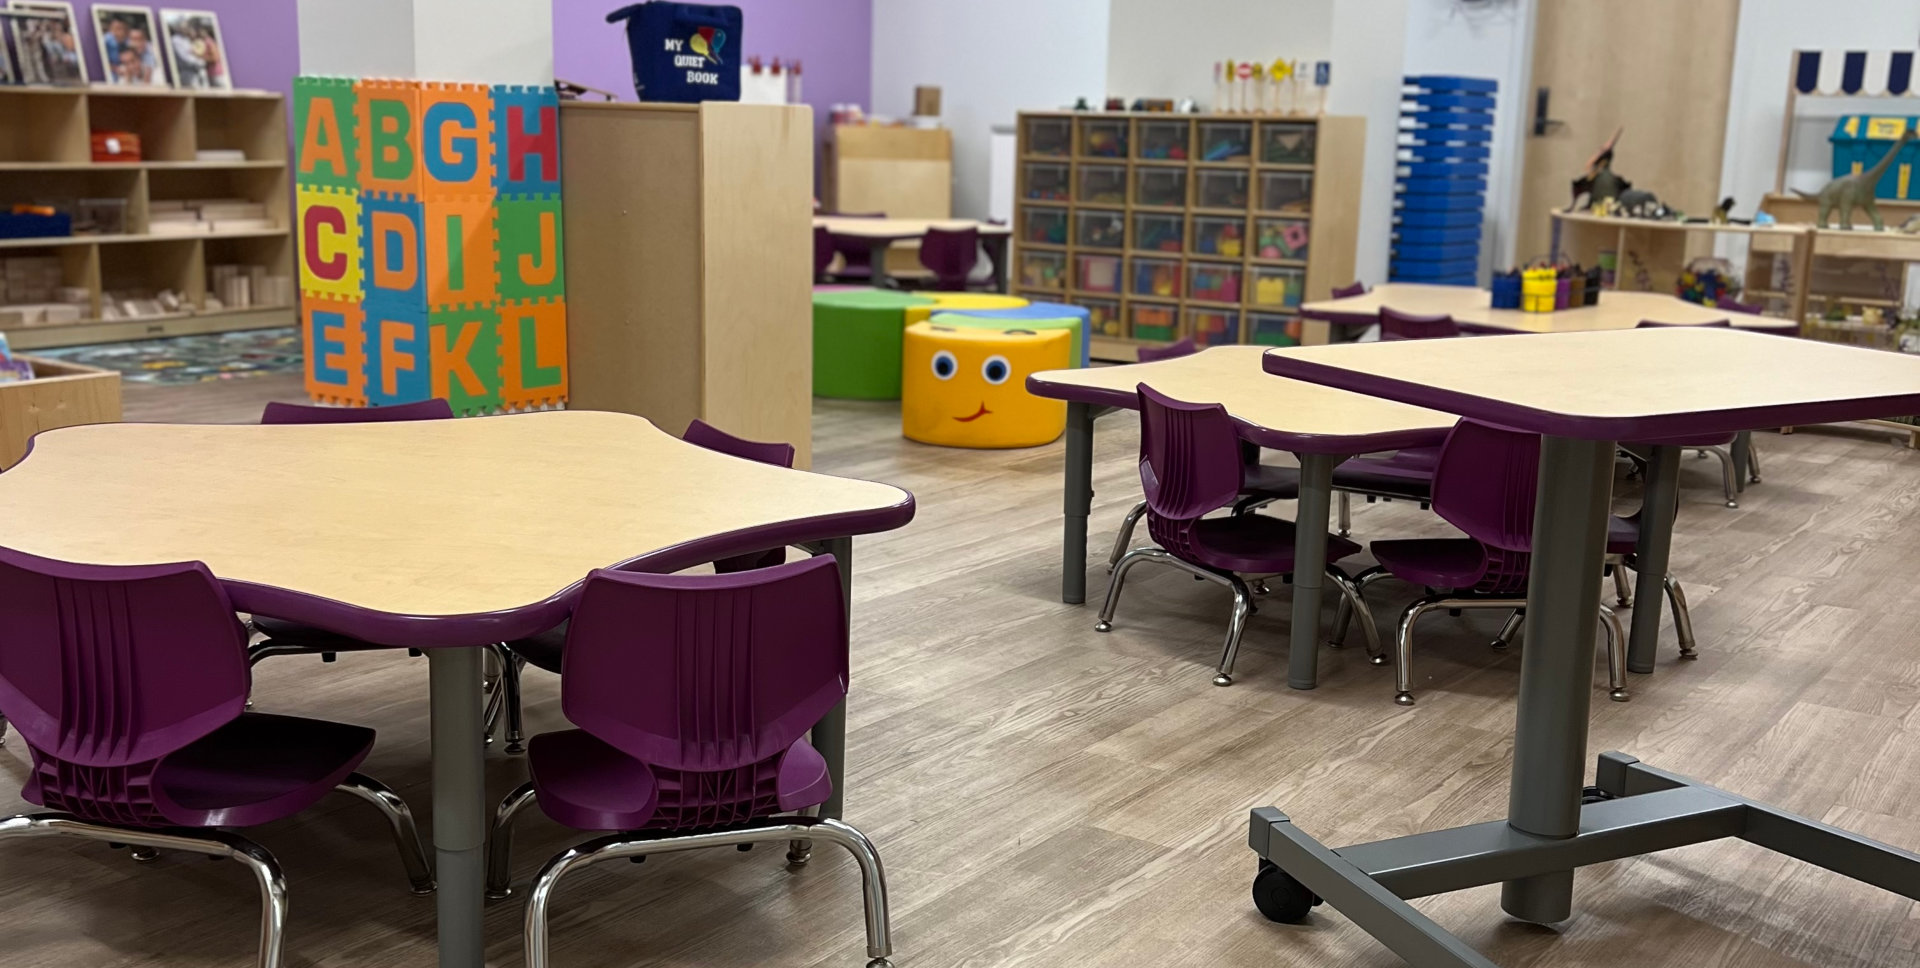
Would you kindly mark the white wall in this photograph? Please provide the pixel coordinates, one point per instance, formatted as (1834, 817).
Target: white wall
(992, 59)
(1366, 45)
(356, 38)
(474, 41)
(1167, 48)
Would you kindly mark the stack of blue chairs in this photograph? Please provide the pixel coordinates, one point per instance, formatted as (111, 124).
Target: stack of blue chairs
(1440, 194)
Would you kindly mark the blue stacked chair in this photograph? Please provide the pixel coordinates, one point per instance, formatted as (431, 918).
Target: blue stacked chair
(1440, 194)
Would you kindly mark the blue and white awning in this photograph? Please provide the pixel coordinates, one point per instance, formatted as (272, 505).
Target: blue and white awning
(1855, 73)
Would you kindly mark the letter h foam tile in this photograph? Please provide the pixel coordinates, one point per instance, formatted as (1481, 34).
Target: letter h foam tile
(388, 136)
(456, 139)
(324, 122)
(526, 140)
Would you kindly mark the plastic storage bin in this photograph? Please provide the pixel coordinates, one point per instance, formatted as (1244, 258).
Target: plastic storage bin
(1102, 185)
(1164, 140)
(1103, 316)
(1281, 238)
(1226, 141)
(1286, 191)
(1276, 288)
(1099, 229)
(1220, 188)
(1213, 282)
(1046, 183)
(1160, 185)
(1043, 270)
(1096, 273)
(1213, 327)
(1103, 138)
(1286, 143)
(1157, 232)
(1218, 235)
(1159, 324)
(1052, 137)
(1154, 277)
(1273, 329)
(1044, 226)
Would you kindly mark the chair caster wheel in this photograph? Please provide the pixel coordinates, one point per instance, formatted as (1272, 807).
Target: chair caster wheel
(1403, 698)
(1279, 897)
(145, 855)
(1223, 680)
(1497, 645)
(1733, 504)
(879, 963)
(515, 748)
(1378, 660)
(1260, 588)
(1618, 695)
(799, 858)
(1689, 656)
(1103, 626)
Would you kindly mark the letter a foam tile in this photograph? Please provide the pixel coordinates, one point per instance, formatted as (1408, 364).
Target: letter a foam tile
(388, 136)
(329, 237)
(533, 354)
(462, 261)
(466, 359)
(399, 356)
(531, 250)
(332, 338)
(456, 139)
(393, 252)
(526, 140)
(326, 142)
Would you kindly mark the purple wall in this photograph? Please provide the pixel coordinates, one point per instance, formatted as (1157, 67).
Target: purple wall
(261, 38)
(832, 38)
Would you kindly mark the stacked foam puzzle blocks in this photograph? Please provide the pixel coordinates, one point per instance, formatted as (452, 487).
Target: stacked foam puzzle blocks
(431, 261)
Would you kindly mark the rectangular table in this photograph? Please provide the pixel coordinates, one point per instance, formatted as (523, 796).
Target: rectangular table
(1320, 426)
(880, 233)
(1582, 392)
(1473, 309)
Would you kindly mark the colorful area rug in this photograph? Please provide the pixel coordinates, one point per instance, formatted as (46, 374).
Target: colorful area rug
(193, 359)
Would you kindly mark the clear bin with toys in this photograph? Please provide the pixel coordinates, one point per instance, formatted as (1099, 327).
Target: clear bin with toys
(1044, 226)
(1213, 327)
(1277, 288)
(1273, 329)
(1102, 185)
(1213, 282)
(1281, 239)
(1164, 140)
(1158, 232)
(1153, 322)
(1288, 192)
(1221, 188)
(1219, 236)
(1096, 273)
(1103, 315)
(1158, 278)
(1103, 137)
(1042, 270)
(1045, 182)
(1159, 186)
(1226, 141)
(1099, 229)
(1052, 137)
(1286, 143)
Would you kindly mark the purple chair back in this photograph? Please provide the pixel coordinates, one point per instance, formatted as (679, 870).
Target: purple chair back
(822, 250)
(1656, 324)
(1357, 288)
(1485, 485)
(856, 256)
(299, 413)
(711, 693)
(950, 254)
(1735, 305)
(1396, 325)
(702, 434)
(1182, 347)
(109, 668)
(1189, 456)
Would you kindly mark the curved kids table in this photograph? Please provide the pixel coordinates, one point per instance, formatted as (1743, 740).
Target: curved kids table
(1319, 425)
(1473, 308)
(880, 233)
(1582, 392)
(435, 534)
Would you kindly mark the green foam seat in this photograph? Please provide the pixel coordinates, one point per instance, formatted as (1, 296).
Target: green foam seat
(857, 342)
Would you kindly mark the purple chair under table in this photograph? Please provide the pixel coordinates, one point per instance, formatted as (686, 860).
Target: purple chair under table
(822, 252)
(1396, 325)
(1183, 346)
(1350, 290)
(1191, 466)
(1718, 445)
(129, 685)
(950, 254)
(692, 728)
(1623, 542)
(1338, 331)
(1484, 485)
(856, 254)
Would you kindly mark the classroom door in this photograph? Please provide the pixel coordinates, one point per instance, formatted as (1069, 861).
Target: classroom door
(1660, 69)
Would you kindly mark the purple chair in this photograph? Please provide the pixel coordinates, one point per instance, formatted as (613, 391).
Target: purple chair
(300, 413)
(1355, 288)
(128, 684)
(692, 730)
(822, 251)
(1396, 325)
(1734, 305)
(1191, 466)
(1265, 483)
(856, 255)
(1485, 486)
(1623, 542)
(950, 254)
(1719, 445)
(544, 651)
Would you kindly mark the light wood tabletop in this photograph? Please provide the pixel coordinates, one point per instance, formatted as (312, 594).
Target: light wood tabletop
(901, 228)
(417, 518)
(1293, 416)
(1615, 310)
(1623, 384)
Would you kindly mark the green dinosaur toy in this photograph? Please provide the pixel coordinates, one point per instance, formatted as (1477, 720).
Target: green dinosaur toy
(1848, 191)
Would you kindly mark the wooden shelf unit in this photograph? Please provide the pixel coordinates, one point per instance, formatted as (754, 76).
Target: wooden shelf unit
(1057, 153)
(46, 155)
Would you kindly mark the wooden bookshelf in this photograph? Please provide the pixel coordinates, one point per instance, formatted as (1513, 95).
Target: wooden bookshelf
(46, 155)
(1142, 202)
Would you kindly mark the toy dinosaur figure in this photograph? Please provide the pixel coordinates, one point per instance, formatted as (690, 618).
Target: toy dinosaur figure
(1848, 191)
(1600, 184)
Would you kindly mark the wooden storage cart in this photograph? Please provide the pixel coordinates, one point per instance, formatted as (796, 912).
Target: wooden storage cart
(62, 394)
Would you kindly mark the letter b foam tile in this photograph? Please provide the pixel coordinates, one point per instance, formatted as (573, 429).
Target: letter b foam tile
(389, 136)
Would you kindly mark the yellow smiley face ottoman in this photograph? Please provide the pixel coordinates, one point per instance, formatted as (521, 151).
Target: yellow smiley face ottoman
(944, 302)
(967, 387)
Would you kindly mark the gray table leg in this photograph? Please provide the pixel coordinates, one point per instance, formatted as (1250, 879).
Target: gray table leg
(459, 802)
(877, 258)
(830, 733)
(1656, 539)
(1079, 489)
(1742, 454)
(1309, 569)
(1556, 668)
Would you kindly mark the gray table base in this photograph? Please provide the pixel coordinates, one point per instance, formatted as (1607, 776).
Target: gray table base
(1548, 832)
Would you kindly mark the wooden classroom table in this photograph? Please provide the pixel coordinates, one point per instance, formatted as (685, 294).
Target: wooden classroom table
(441, 535)
(1582, 392)
(1322, 427)
(883, 232)
(1473, 309)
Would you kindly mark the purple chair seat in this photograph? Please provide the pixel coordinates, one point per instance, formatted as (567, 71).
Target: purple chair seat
(1385, 476)
(254, 770)
(1271, 481)
(1253, 544)
(588, 784)
(1449, 563)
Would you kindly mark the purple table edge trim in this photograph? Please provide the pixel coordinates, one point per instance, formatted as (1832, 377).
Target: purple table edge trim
(1341, 318)
(1593, 428)
(1337, 445)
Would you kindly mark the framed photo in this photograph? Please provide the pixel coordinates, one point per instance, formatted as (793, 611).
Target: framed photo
(46, 42)
(7, 74)
(196, 49)
(129, 41)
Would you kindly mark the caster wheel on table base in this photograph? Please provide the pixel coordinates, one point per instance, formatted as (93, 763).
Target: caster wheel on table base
(1403, 698)
(1281, 898)
(1103, 627)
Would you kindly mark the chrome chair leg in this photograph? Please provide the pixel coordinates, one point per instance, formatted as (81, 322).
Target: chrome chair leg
(1753, 462)
(1342, 620)
(3, 730)
(500, 841)
(406, 835)
(1622, 585)
(1728, 485)
(1345, 500)
(1125, 537)
(510, 685)
(1119, 581)
(1353, 601)
(1236, 627)
(1616, 655)
(1682, 617)
(1403, 646)
(1515, 619)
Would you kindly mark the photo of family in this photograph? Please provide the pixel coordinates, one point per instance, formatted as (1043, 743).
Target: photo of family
(129, 52)
(46, 42)
(195, 49)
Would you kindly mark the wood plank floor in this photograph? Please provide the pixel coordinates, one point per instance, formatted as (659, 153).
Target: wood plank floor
(1047, 796)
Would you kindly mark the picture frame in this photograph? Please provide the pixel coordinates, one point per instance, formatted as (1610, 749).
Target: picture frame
(196, 49)
(46, 42)
(8, 75)
(128, 38)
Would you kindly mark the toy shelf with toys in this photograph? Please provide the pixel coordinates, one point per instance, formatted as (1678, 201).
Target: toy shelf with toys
(1213, 227)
